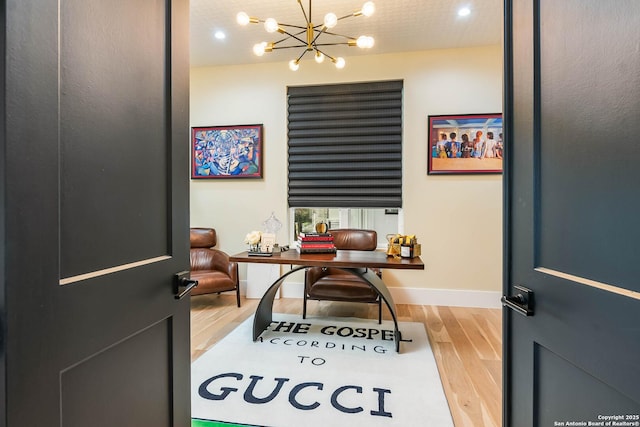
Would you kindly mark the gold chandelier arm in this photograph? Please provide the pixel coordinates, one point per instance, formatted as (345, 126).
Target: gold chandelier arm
(280, 24)
(303, 54)
(306, 18)
(339, 35)
(289, 47)
(317, 26)
(351, 15)
(335, 44)
(321, 32)
(294, 36)
(291, 25)
(325, 54)
(289, 37)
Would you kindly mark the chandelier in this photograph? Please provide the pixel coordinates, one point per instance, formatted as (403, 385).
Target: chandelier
(309, 35)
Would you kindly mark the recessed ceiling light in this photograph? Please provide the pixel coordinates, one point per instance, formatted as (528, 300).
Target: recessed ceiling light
(220, 35)
(464, 11)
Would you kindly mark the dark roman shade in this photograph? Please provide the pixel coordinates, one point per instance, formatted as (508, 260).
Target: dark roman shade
(345, 145)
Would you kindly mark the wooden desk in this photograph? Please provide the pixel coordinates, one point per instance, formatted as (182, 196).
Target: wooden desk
(357, 263)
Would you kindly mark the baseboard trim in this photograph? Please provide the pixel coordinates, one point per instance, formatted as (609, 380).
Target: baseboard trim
(422, 296)
(447, 297)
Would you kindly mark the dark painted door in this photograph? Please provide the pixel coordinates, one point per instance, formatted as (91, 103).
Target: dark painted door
(95, 218)
(572, 110)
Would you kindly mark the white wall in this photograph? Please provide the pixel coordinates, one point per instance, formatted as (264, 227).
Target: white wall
(457, 218)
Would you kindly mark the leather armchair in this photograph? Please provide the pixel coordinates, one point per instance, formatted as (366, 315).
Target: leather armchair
(333, 284)
(211, 267)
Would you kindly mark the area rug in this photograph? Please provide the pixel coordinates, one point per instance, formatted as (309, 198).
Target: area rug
(319, 372)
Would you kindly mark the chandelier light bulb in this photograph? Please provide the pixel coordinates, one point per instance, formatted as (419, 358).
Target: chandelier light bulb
(372, 42)
(258, 48)
(242, 18)
(319, 57)
(271, 25)
(340, 63)
(330, 20)
(365, 42)
(294, 65)
(368, 8)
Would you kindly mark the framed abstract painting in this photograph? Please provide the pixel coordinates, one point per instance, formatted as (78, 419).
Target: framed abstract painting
(223, 152)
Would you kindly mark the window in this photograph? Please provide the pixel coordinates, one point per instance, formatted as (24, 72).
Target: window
(345, 156)
(384, 221)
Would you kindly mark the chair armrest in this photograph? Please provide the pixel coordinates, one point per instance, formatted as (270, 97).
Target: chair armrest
(221, 263)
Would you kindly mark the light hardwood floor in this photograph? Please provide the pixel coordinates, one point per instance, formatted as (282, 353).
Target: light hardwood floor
(466, 343)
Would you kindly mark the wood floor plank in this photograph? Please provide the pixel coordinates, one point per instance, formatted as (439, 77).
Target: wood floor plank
(479, 341)
(486, 388)
(403, 314)
(435, 326)
(494, 367)
(466, 343)
(463, 401)
(491, 332)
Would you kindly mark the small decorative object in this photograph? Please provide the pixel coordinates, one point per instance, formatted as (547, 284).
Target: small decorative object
(268, 242)
(406, 250)
(393, 247)
(403, 246)
(322, 227)
(226, 152)
(263, 243)
(253, 240)
(272, 224)
(269, 237)
(465, 143)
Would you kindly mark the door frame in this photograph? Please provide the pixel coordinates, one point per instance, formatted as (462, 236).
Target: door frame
(507, 171)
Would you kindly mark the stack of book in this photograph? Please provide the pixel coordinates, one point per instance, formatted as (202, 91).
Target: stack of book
(316, 243)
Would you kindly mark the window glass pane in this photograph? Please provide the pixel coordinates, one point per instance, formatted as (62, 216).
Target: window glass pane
(383, 221)
(305, 219)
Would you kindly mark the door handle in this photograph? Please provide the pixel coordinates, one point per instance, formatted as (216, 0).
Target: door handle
(182, 284)
(521, 303)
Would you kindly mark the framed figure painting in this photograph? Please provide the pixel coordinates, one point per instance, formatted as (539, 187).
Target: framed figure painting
(220, 152)
(465, 143)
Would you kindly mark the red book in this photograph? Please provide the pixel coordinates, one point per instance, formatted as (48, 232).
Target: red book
(315, 237)
(317, 245)
(315, 242)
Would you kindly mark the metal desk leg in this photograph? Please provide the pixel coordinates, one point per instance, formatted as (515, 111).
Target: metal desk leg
(378, 285)
(264, 312)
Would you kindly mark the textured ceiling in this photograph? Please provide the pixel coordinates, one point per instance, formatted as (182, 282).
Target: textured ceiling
(397, 26)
